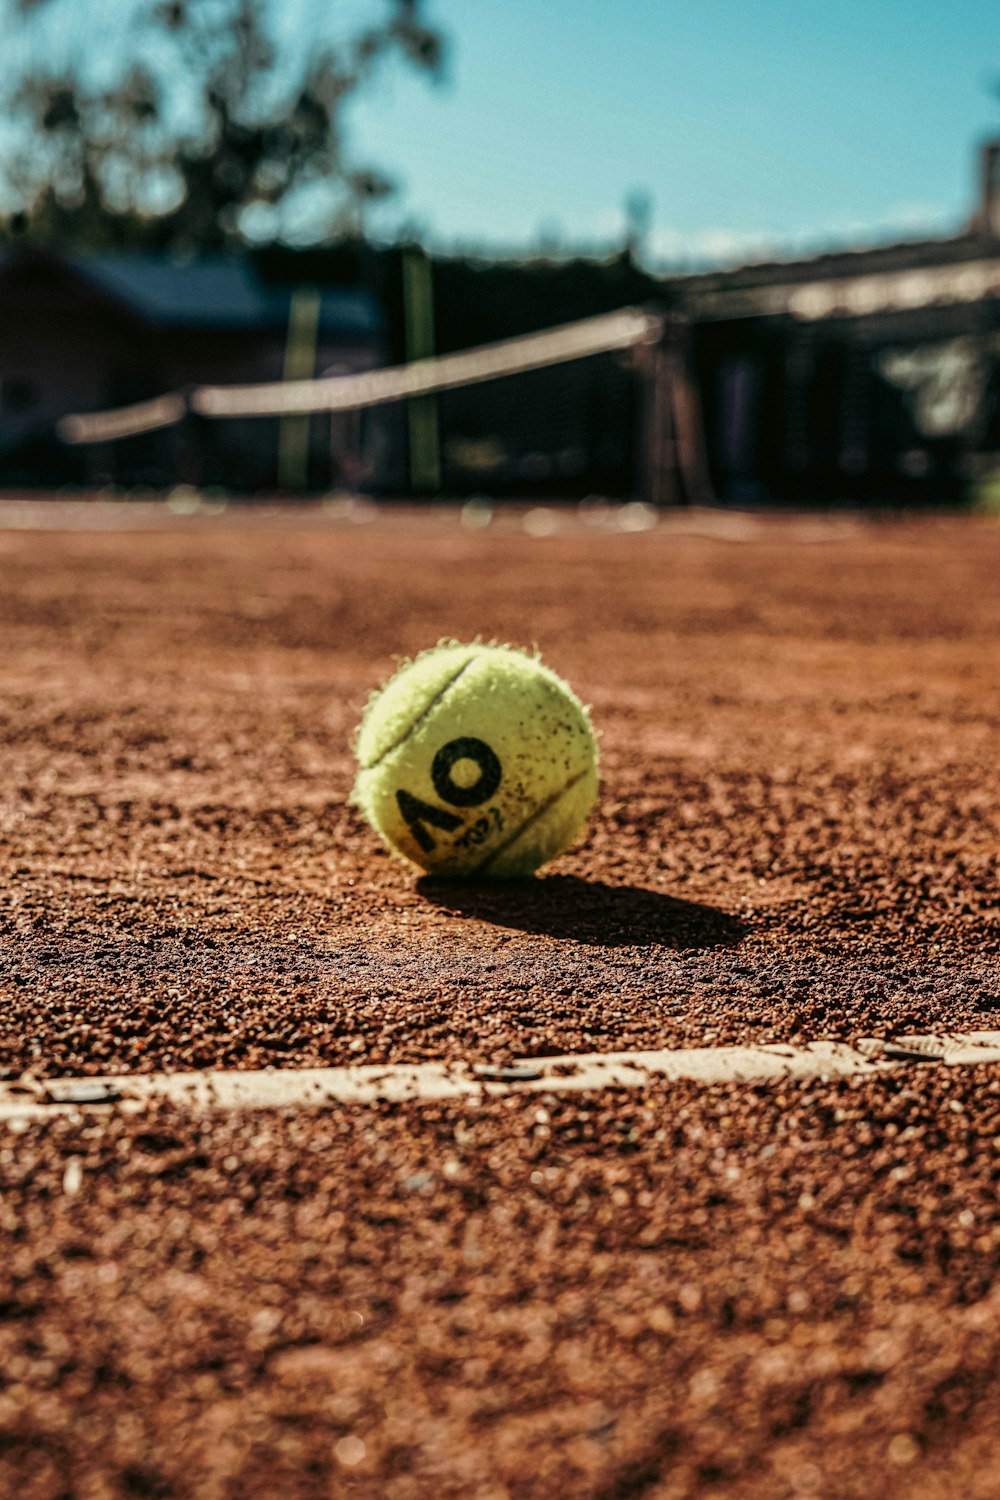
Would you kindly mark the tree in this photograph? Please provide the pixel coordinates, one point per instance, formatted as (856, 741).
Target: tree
(210, 135)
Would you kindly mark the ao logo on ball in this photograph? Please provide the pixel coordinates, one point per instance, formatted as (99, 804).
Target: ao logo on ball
(418, 814)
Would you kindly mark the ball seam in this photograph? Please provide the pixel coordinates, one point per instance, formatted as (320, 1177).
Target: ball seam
(538, 812)
(428, 708)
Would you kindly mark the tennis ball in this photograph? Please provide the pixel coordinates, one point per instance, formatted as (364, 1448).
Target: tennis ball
(476, 761)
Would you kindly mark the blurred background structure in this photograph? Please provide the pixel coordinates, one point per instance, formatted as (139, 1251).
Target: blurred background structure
(181, 207)
(870, 375)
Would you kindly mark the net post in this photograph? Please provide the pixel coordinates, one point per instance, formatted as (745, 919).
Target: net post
(189, 442)
(657, 471)
(692, 458)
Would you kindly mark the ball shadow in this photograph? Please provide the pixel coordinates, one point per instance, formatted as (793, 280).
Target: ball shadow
(587, 911)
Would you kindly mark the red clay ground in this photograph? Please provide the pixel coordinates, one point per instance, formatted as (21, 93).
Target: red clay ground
(784, 1290)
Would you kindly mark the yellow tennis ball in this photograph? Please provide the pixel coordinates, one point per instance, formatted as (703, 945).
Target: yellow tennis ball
(476, 761)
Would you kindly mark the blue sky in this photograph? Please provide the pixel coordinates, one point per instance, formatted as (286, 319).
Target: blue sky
(755, 125)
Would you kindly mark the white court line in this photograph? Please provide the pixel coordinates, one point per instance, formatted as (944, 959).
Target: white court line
(28, 1100)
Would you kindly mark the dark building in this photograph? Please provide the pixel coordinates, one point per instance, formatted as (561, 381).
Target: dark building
(88, 333)
(860, 376)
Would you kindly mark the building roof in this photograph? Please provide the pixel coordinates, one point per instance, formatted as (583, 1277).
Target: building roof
(857, 283)
(844, 262)
(217, 291)
(961, 267)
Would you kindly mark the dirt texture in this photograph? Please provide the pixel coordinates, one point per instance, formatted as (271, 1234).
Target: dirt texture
(763, 1291)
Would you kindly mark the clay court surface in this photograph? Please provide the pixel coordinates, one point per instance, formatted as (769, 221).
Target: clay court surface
(766, 1290)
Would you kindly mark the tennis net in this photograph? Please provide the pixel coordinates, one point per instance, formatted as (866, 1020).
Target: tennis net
(568, 410)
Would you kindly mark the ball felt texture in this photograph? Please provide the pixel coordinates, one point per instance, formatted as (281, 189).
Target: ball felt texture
(476, 762)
